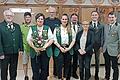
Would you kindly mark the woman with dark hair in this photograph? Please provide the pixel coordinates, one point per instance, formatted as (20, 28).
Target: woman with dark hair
(40, 38)
(84, 46)
(64, 39)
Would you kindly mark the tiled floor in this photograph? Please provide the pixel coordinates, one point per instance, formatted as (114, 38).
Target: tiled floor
(20, 75)
(101, 74)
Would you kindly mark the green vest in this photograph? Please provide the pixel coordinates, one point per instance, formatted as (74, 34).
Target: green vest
(58, 35)
(44, 37)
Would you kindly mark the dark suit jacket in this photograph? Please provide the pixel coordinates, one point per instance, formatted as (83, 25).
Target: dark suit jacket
(89, 41)
(10, 41)
(99, 35)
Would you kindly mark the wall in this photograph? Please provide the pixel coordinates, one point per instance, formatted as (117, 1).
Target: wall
(68, 2)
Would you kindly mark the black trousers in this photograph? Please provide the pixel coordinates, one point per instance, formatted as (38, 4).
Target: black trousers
(97, 60)
(84, 66)
(108, 60)
(11, 61)
(74, 64)
(40, 66)
(0, 69)
(54, 64)
(63, 62)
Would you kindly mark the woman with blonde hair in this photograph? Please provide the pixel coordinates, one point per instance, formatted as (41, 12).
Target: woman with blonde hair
(64, 39)
(84, 46)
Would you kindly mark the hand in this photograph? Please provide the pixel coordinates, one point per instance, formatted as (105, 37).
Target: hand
(81, 52)
(101, 50)
(2, 57)
(42, 49)
(118, 56)
(67, 49)
(62, 50)
(36, 49)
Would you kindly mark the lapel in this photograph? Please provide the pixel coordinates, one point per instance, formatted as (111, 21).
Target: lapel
(98, 27)
(107, 29)
(114, 27)
(4, 24)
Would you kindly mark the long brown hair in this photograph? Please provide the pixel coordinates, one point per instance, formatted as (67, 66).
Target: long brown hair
(68, 24)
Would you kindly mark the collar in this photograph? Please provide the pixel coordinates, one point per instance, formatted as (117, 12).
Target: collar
(63, 28)
(115, 23)
(40, 28)
(96, 22)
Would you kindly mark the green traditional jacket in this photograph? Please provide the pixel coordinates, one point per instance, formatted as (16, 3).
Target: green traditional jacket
(24, 29)
(58, 35)
(10, 40)
(44, 37)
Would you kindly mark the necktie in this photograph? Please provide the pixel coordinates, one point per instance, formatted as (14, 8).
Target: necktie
(94, 25)
(74, 28)
(110, 27)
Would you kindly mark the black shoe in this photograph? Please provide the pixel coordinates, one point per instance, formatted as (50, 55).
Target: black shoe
(26, 78)
(68, 78)
(75, 76)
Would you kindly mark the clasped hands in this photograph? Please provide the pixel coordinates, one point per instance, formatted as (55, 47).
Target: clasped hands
(64, 50)
(39, 49)
(82, 51)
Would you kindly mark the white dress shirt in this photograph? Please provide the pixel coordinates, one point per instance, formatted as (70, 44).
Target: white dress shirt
(64, 35)
(76, 26)
(83, 40)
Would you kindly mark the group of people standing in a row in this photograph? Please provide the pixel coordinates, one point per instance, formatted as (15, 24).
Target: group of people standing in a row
(65, 40)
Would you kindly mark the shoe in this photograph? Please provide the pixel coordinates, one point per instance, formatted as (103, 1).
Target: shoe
(75, 76)
(68, 78)
(26, 78)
